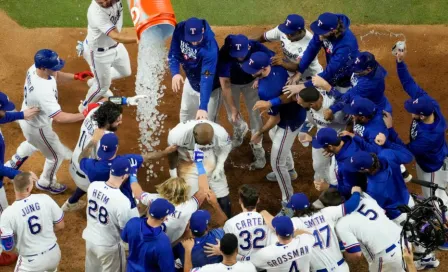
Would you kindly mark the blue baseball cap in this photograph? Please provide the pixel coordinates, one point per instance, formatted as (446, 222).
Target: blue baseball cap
(239, 46)
(364, 61)
(108, 146)
(283, 226)
(199, 221)
(360, 160)
(160, 208)
(48, 59)
(120, 167)
(292, 24)
(5, 104)
(325, 23)
(420, 106)
(193, 29)
(360, 106)
(256, 62)
(298, 201)
(325, 137)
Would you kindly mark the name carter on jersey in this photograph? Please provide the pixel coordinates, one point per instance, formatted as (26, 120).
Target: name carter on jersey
(289, 256)
(249, 222)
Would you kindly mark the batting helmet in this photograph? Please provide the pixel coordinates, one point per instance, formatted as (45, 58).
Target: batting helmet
(48, 59)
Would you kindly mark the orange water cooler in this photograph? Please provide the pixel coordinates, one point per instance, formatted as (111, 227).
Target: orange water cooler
(153, 14)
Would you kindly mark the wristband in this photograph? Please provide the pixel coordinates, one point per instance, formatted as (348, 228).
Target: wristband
(200, 167)
(275, 102)
(133, 179)
(173, 173)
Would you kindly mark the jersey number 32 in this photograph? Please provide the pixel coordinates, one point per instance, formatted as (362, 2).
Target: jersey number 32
(259, 236)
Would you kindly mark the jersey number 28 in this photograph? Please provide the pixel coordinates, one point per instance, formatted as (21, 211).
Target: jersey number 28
(259, 235)
(99, 214)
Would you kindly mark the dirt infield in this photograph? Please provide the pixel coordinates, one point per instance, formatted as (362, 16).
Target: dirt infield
(427, 49)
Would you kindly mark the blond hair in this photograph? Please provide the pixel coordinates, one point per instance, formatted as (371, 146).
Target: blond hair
(175, 190)
(22, 181)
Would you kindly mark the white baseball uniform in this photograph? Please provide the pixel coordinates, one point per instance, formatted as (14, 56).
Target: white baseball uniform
(30, 221)
(175, 224)
(321, 164)
(108, 211)
(251, 231)
(295, 256)
(107, 59)
(293, 51)
(326, 251)
(220, 267)
(378, 236)
(214, 155)
(38, 131)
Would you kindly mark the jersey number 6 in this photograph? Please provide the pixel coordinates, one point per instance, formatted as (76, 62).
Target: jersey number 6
(99, 214)
(34, 226)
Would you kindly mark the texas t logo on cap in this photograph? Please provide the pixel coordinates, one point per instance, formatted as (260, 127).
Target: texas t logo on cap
(238, 46)
(251, 62)
(415, 101)
(357, 61)
(192, 30)
(287, 22)
(353, 103)
(319, 23)
(104, 147)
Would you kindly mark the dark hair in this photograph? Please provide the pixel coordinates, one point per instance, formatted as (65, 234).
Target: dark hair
(229, 244)
(340, 28)
(107, 114)
(309, 94)
(195, 234)
(307, 211)
(331, 197)
(248, 196)
(376, 162)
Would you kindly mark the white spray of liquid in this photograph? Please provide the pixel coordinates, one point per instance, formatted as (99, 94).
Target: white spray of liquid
(151, 68)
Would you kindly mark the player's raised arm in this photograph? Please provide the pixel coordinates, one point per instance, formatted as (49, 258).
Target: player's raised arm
(91, 145)
(208, 71)
(406, 79)
(159, 154)
(121, 37)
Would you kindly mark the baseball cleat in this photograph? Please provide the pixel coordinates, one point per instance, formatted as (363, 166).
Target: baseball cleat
(7, 258)
(71, 207)
(292, 173)
(55, 188)
(426, 263)
(444, 247)
(259, 155)
(239, 134)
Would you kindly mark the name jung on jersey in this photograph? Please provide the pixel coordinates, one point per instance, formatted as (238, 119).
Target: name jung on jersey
(30, 208)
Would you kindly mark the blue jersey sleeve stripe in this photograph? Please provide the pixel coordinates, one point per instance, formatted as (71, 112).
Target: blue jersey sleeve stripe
(353, 249)
(54, 114)
(197, 201)
(109, 30)
(60, 219)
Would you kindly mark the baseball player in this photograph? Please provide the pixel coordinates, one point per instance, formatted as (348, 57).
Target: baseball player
(103, 48)
(29, 225)
(107, 214)
(149, 247)
(40, 90)
(326, 255)
(291, 252)
(332, 32)
(370, 231)
(234, 82)
(368, 81)
(315, 103)
(105, 116)
(194, 47)
(229, 249)
(283, 124)
(214, 141)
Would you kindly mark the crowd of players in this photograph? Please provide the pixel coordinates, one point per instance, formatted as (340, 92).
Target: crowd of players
(357, 156)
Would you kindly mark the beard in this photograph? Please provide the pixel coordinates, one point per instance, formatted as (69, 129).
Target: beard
(113, 129)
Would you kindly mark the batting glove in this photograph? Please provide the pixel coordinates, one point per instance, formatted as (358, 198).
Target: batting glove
(133, 172)
(83, 75)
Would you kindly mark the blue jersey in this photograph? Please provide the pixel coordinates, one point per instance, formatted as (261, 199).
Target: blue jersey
(99, 170)
(292, 115)
(229, 67)
(198, 256)
(7, 171)
(199, 62)
(339, 53)
(370, 86)
(427, 142)
(149, 248)
(370, 130)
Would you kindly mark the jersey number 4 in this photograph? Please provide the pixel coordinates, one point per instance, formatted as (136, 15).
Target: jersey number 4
(98, 213)
(33, 225)
(259, 235)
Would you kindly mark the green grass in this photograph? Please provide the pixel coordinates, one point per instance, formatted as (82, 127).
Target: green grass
(72, 13)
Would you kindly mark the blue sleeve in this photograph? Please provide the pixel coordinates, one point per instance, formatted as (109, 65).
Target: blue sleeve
(366, 146)
(209, 63)
(398, 154)
(393, 137)
(276, 101)
(341, 99)
(124, 232)
(310, 53)
(420, 145)
(257, 47)
(338, 60)
(11, 116)
(166, 258)
(175, 55)
(351, 204)
(8, 243)
(8, 172)
(137, 157)
(274, 111)
(408, 83)
(224, 61)
(86, 164)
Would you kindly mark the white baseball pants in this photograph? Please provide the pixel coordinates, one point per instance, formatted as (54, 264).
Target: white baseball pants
(281, 158)
(190, 103)
(105, 258)
(390, 261)
(3, 205)
(321, 165)
(24, 150)
(106, 66)
(48, 143)
(250, 98)
(46, 261)
(440, 177)
(79, 177)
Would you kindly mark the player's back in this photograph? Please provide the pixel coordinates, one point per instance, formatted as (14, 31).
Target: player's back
(220, 267)
(86, 133)
(108, 211)
(295, 256)
(370, 226)
(101, 21)
(251, 231)
(42, 93)
(326, 251)
(31, 219)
